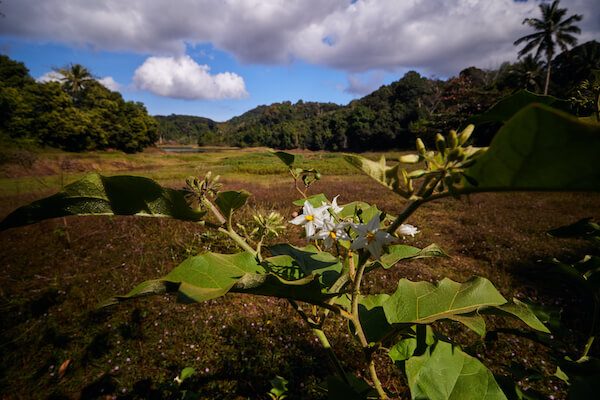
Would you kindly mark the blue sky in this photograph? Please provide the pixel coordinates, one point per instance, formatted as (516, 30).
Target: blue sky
(220, 58)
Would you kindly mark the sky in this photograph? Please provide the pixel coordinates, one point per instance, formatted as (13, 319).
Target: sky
(221, 58)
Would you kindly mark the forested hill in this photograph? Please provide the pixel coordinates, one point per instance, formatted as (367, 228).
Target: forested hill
(391, 117)
(394, 115)
(76, 113)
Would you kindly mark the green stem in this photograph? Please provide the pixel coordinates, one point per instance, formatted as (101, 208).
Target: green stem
(331, 354)
(588, 346)
(239, 241)
(358, 326)
(323, 340)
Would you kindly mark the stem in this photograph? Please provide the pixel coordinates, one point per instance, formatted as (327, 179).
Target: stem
(588, 346)
(239, 240)
(331, 354)
(229, 231)
(323, 340)
(358, 326)
(215, 211)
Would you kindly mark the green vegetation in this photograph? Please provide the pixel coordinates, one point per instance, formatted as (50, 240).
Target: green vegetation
(75, 115)
(552, 30)
(395, 115)
(537, 148)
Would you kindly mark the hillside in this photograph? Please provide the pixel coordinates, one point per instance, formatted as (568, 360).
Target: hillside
(394, 115)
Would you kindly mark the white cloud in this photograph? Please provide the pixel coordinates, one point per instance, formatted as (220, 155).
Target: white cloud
(110, 83)
(360, 87)
(183, 78)
(436, 37)
(49, 77)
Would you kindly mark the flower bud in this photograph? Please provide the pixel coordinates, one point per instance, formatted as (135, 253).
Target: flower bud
(452, 139)
(465, 134)
(440, 143)
(420, 147)
(456, 154)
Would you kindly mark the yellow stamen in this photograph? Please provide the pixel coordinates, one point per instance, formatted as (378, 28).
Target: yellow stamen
(370, 236)
(310, 217)
(332, 234)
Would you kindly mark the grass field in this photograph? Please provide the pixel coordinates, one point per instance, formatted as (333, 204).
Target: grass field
(54, 274)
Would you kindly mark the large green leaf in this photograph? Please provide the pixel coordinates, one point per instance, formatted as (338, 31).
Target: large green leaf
(424, 302)
(584, 228)
(540, 149)
(304, 261)
(401, 252)
(286, 158)
(228, 202)
(378, 170)
(506, 108)
(99, 195)
(211, 275)
(316, 200)
(445, 372)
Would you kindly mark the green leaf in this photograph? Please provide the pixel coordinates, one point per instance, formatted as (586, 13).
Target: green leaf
(445, 372)
(540, 149)
(286, 158)
(585, 272)
(186, 373)
(378, 170)
(315, 200)
(228, 202)
(279, 386)
(425, 303)
(584, 228)
(406, 348)
(365, 210)
(211, 275)
(507, 107)
(401, 252)
(99, 195)
(305, 261)
(372, 317)
(583, 377)
(520, 310)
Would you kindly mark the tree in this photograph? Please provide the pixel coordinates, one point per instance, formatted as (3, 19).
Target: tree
(74, 78)
(527, 73)
(552, 30)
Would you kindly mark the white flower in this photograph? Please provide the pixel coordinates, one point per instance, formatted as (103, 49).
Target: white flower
(330, 232)
(371, 237)
(334, 206)
(312, 218)
(408, 230)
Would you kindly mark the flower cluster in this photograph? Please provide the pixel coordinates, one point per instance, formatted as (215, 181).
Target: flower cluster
(322, 223)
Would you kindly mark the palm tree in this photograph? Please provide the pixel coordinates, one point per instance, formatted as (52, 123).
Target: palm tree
(527, 73)
(74, 78)
(552, 30)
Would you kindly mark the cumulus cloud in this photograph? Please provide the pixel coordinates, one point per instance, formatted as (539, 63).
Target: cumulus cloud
(436, 37)
(49, 77)
(183, 78)
(110, 83)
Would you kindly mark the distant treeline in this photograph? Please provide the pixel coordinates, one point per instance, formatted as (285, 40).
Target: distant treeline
(76, 113)
(394, 115)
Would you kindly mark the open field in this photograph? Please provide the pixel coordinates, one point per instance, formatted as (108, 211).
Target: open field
(53, 275)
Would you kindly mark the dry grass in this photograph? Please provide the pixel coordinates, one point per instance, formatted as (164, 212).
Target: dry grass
(50, 285)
